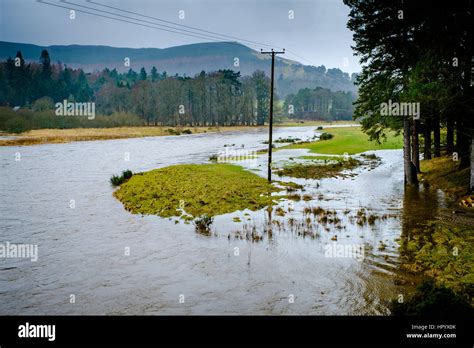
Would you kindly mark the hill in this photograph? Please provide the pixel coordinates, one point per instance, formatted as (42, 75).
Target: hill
(189, 60)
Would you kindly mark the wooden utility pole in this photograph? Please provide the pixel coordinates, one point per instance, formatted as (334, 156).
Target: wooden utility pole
(272, 52)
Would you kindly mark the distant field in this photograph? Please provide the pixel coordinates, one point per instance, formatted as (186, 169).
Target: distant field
(48, 136)
(55, 136)
(351, 140)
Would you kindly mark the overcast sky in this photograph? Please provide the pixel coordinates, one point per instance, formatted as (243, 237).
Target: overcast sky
(317, 33)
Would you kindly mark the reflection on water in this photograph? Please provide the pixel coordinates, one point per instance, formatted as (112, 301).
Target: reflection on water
(420, 204)
(82, 246)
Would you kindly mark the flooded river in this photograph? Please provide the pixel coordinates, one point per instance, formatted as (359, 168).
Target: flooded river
(96, 258)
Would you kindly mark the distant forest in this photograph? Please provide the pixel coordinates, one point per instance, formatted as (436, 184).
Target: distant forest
(320, 103)
(220, 98)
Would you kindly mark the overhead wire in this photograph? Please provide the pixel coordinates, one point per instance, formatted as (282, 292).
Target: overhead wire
(182, 25)
(176, 30)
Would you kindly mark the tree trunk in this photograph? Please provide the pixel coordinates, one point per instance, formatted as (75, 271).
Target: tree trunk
(450, 135)
(427, 147)
(436, 136)
(410, 174)
(471, 187)
(463, 142)
(415, 149)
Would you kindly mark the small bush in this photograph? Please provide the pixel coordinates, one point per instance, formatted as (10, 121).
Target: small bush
(127, 174)
(117, 180)
(187, 131)
(173, 131)
(325, 136)
(319, 128)
(213, 158)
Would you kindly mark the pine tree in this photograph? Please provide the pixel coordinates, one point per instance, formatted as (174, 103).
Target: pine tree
(143, 74)
(154, 75)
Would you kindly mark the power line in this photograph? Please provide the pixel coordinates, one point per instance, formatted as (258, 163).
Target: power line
(195, 28)
(143, 21)
(126, 21)
(294, 54)
(157, 26)
(180, 25)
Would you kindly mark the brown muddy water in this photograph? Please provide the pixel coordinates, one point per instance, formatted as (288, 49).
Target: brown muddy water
(58, 197)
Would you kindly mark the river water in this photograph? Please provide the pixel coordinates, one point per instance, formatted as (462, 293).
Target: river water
(96, 258)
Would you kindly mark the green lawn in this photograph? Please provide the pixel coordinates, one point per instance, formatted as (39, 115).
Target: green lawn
(348, 139)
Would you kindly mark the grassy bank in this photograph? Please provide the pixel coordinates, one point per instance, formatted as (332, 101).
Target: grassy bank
(443, 249)
(197, 189)
(349, 140)
(442, 173)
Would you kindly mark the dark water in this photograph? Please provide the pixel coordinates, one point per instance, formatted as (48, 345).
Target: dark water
(82, 249)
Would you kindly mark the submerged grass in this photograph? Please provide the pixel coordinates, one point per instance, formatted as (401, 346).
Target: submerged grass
(203, 224)
(318, 171)
(349, 140)
(323, 158)
(198, 189)
(443, 252)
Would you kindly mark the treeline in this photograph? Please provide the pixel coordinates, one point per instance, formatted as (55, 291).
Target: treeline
(221, 98)
(22, 84)
(417, 52)
(320, 104)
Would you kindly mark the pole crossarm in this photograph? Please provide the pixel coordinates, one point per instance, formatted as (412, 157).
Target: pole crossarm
(272, 52)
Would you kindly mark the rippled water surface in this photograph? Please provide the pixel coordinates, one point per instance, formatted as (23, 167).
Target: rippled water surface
(81, 249)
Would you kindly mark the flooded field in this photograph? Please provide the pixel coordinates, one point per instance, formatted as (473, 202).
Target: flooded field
(283, 261)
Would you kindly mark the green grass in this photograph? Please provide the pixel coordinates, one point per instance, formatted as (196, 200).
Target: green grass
(348, 139)
(443, 173)
(199, 189)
